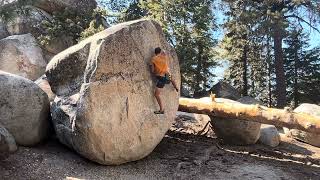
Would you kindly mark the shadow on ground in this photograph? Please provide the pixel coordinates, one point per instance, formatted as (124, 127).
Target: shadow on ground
(178, 156)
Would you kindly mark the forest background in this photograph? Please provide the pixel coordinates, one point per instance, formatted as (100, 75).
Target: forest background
(267, 49)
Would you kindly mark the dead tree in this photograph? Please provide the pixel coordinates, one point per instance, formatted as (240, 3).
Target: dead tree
(256, 113)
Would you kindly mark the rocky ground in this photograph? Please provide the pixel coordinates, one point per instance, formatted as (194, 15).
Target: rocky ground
(178, 156)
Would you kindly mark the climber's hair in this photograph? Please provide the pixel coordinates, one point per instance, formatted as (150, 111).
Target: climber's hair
(157, 50)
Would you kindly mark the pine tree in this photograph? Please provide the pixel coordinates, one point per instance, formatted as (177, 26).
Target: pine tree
(294, 55)
(302, 69)
(310, 77)
(275, 16)
(281, 13)
(243, 43)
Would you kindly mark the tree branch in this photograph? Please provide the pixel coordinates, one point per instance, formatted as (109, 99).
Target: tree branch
(302, 20)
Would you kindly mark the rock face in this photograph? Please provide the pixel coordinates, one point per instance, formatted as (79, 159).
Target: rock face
(58, 5)
(24, 109)
(43, 83)
(235, 131)
(313, 139)
(104, 105)
(224, 90)
(3, 31)
(189, 123)
(23, 24)
(269, 135)
(7, 143)
(21, 55)
(58, 45)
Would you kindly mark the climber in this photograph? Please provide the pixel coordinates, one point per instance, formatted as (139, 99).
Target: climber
(159, 67)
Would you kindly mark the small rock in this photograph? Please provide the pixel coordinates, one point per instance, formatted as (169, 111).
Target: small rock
(7, 143)
(313, 139)
(269, 135)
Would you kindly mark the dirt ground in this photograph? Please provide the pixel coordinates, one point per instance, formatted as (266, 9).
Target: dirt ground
(178, 156)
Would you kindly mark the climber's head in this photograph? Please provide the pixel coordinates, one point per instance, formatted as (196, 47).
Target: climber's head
(157, 50)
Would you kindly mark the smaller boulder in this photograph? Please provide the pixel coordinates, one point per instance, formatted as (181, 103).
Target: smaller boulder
(224, 90)
(24, 109)
(7, 143)
(21, 55)
(269, 135)
(313, 139)
(235, 131)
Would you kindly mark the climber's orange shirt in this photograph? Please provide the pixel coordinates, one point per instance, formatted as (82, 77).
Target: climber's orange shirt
(160, 64)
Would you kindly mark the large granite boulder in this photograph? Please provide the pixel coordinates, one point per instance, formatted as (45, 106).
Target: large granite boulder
(7, 143)
(24, 109)
(21, 55)
(104, 107)
(81, 6)
(313, 139)
(224, 90)
(234, 131)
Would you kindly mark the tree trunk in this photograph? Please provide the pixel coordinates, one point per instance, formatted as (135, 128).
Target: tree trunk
(197, 88)
(295, 85)
(256, 113)
(279, 64)
(269, 73)
(245, 71)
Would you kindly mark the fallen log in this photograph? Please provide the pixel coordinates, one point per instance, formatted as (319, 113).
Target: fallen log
(257, 113)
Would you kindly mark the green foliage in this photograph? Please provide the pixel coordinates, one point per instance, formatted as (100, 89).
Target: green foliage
(72, 24)
(134, 11)
(249, 26)
(91, 30)
(302, 69)
(64, 23)
(96, 25)
(244, 47)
